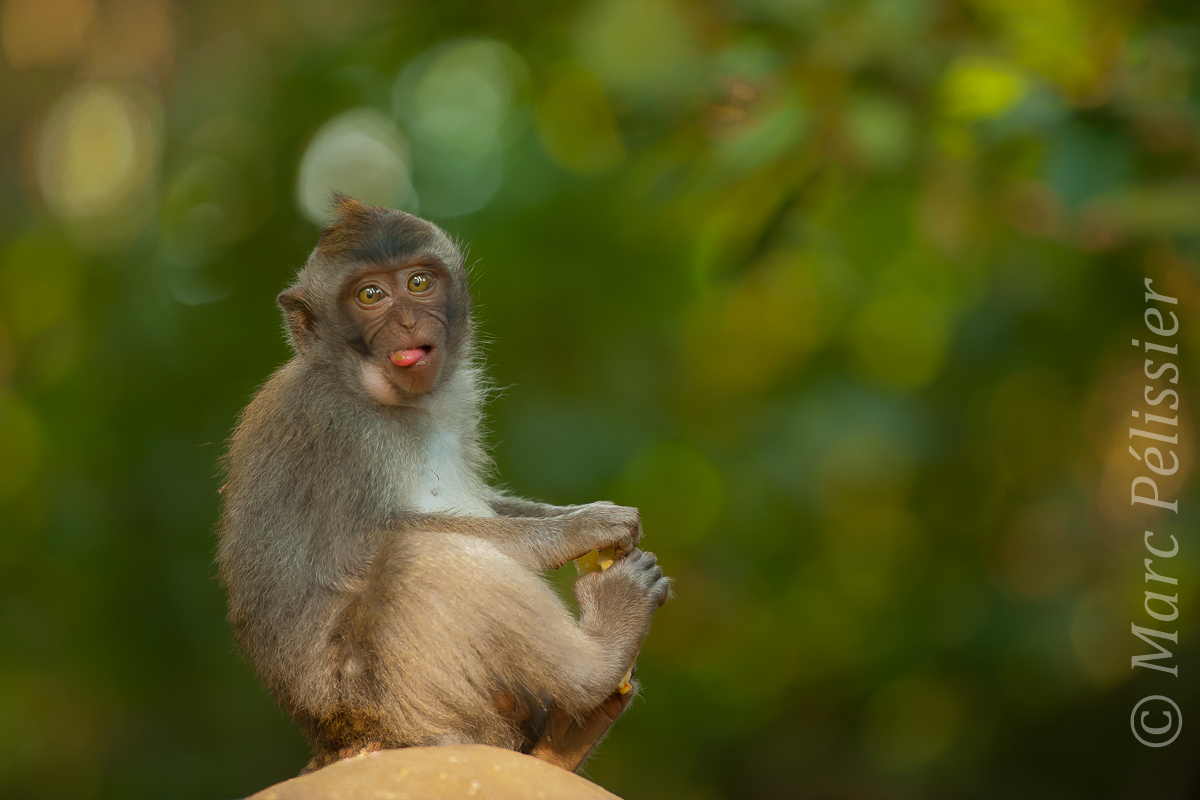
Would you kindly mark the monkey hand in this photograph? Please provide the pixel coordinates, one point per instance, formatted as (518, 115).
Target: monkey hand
(604, 525)
(631, 590)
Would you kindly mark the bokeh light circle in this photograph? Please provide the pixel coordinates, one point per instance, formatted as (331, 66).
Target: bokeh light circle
(97, 153)
(461, 102)
(359, 153)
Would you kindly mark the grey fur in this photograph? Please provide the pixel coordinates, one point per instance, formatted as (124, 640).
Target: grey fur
(385, 613)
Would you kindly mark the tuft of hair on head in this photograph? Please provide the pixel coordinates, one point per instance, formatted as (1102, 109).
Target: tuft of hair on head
(362, 232)
(351, 225)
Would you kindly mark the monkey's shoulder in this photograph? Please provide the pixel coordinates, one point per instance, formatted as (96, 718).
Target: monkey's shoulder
(287, 410)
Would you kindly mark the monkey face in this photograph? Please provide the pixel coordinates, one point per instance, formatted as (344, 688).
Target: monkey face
(382, 299)
(400, 325)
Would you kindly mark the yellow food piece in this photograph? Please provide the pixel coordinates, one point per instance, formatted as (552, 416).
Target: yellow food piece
(625, 687)
(596, 561)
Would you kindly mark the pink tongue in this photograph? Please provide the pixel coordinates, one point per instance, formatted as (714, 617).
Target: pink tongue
(405, 358)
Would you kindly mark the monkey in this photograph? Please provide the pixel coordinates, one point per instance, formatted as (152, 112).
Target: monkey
(386, 593)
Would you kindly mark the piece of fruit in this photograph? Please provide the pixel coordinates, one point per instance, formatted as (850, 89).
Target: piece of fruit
(597, 560)
(625, 687)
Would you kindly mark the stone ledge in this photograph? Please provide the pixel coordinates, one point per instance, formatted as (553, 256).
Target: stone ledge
(419, 773)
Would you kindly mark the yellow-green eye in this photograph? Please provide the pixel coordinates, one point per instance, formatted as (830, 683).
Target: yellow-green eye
(420, 283)
(370, 295)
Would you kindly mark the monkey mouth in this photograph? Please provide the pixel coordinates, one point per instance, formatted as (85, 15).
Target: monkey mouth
(411, 357)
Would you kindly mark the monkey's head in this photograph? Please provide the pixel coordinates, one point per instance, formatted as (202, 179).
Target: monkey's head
(383, 302)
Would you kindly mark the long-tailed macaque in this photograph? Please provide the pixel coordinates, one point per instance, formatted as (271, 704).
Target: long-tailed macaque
(386, 594)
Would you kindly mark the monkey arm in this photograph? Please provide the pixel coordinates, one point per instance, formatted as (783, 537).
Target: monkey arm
(507, 505)
(540, 543)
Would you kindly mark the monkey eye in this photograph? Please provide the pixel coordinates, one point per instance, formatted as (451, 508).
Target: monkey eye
(420, 283)
(370, 295)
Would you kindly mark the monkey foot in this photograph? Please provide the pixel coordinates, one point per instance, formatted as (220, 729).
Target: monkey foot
(567, 744)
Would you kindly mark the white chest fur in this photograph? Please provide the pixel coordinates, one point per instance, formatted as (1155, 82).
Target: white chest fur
(439, 480)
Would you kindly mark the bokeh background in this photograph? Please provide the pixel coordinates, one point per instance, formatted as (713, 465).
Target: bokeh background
(839, 293)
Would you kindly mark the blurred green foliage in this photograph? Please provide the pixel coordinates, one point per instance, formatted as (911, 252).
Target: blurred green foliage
(839, 293)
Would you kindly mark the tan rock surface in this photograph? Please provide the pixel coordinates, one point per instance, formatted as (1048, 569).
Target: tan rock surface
(477, 772)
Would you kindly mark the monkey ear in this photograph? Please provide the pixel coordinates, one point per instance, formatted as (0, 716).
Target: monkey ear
(298, 315)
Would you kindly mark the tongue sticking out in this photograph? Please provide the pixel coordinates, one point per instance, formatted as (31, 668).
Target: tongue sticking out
(406, 358)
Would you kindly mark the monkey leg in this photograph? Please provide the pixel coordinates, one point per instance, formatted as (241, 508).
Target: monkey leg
(447, 621)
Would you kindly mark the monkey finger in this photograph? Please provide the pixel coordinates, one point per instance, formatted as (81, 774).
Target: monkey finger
(665, 592)
(622, 525)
